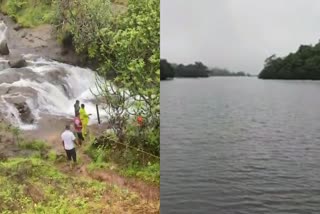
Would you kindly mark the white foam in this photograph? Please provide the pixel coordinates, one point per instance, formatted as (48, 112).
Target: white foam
(51, 99)
(3, 32)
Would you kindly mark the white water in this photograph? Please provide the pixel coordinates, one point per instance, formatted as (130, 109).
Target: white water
(3, 32)
(51, 98)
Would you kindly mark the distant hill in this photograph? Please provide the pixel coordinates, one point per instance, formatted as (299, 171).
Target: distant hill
(198, 69)
(225, 72)
(303, 64)
(168, 70)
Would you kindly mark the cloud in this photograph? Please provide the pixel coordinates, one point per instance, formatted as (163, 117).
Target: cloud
(235, 34)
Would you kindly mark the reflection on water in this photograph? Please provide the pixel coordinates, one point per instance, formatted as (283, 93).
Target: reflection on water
(240, 145)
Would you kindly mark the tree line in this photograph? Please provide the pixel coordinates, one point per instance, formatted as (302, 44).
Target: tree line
(303, 64)
(198, 69)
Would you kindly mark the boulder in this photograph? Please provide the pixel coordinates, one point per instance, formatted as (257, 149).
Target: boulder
(9, 77)
(18, 63)
(4, 50)
(17, 27)
(57, 76)
(26, 91)
(12, 75)
(4, 65)
(24, 110)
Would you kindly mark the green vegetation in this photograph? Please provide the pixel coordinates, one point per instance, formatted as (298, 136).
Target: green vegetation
(126, 46)
(31, 185)
(107, 153)
(192, 70)
(37, 145)
(149, 173)
(169, 70)
(225, 72)
(303, 64)
(29, 13)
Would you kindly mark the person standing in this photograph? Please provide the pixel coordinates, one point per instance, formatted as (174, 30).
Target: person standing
(78, 128)
(76, 107)
(84, 117)
(68, 142)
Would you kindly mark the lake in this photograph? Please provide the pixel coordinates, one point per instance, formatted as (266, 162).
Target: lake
(240, 145)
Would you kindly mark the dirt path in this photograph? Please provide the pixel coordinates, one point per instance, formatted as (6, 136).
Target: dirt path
(146, 191)
(50, 129)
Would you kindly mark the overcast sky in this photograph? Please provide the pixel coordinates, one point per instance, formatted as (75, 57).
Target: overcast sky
(236, 34)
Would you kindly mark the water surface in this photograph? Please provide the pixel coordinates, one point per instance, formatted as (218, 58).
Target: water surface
(240, 145)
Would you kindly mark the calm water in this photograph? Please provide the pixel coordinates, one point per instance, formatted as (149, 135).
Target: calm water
(240, 145)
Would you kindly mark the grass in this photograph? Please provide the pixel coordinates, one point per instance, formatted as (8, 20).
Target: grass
(32, 185)
(106, 159)
(150, 173)
(37, 145)
(29, 13)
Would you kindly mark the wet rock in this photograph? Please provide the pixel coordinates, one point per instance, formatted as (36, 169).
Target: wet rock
(25, 91)
(24, 110)
(4, 65)
(57, 76)
(4, 50)
(12, 75)
(24, 34)
(17, 27)
(9, 77)
(64, 52)
(17, 63)
(3, 90)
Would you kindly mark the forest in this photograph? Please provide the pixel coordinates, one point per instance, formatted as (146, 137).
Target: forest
(198, 69)
(303, 64)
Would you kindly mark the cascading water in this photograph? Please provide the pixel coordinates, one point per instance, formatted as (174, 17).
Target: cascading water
(56, 87)
(3, 32)
(43, 87)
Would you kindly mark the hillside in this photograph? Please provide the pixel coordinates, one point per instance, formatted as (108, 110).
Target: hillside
(198, 69)
(303, 64)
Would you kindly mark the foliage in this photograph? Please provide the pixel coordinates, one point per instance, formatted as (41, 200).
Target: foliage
(107, 153)
(166, 70)
(127, 47)
(170, 70)
(150, 173)
(31, 185)
(29, 13)
(225, 72)
(192, 70)
(304, 64)
(83, 19)
(34, 145)
(132, 51)
(52, 155)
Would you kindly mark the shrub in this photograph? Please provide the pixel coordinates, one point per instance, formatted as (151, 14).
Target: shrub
(34, 145)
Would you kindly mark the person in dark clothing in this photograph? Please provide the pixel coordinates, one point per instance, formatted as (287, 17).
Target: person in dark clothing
(76, 108)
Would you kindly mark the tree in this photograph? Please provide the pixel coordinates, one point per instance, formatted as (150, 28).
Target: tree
(303, 64)
(166, 70)
(127, 46)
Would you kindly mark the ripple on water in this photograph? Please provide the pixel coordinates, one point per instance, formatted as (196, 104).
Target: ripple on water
(249, 148)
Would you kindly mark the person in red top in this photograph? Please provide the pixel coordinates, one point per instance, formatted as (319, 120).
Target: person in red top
(78, 128)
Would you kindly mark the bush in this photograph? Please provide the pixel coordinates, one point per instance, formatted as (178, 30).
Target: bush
(29, 13)
(150, 173)
(52, 155)
(37, 145)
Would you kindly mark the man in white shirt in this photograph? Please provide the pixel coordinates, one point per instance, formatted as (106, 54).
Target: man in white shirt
(68, 141)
